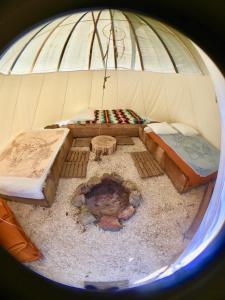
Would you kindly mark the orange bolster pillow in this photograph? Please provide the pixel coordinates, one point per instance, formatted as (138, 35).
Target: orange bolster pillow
(13, 238)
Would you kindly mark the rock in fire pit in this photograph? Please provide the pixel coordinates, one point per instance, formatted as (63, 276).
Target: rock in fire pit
(108, 201)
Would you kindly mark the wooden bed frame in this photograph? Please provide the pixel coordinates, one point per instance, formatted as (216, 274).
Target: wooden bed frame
(91, 130)
(201, 210)
(51, 183)
(180, 181)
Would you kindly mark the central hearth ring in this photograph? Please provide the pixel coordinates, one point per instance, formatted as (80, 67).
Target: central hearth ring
(107, 201)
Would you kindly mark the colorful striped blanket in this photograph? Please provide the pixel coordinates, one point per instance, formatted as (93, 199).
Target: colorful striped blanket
(116, 116)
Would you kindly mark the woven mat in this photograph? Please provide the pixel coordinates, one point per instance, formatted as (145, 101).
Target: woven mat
(124, 140)
(78, 156)
(145, 164)
(81, 142)
(74, 169)
(75, 165)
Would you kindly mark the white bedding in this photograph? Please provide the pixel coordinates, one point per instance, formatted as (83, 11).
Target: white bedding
(26, 161)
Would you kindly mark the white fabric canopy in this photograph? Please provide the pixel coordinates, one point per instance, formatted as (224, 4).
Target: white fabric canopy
(92, 40)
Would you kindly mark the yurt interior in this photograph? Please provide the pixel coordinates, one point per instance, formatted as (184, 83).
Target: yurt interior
(109, 149)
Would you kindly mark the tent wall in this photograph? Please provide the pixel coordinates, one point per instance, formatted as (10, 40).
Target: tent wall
(35, 100)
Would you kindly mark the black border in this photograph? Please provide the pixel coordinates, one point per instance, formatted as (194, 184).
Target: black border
(204, 22)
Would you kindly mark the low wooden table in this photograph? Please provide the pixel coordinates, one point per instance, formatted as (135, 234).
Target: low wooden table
(103, 144)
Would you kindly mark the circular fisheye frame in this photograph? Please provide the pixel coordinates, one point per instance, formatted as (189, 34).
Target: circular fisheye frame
(111, 156)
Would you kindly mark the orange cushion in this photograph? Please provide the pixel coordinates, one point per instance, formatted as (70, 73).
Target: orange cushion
(13, 238)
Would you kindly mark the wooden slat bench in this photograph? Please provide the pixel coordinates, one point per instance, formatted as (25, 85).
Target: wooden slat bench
(145, 164)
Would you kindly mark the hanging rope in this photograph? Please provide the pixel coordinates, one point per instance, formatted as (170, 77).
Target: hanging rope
(106, 57)
(105, 78)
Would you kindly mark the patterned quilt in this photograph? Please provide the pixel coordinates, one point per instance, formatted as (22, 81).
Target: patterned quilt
(195, 151)
(116, 116)
(29, 153)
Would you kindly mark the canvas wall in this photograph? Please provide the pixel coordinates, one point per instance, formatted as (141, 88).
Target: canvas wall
(36, 100)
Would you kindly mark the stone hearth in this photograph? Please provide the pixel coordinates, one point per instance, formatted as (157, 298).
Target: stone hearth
(106, 201)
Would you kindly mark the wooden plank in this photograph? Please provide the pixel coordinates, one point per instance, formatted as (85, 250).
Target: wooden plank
(66, 169)
(139, 165)
(124, 140)
(151, 163)
(84, 170)
(145, 164)
(71, 170)
(91, 130)
(82, 142)
(201, 211)
(74, 169)
(78, 156)
(80, 169)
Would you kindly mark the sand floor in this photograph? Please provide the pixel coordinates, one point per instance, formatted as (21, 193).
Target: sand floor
(149, 240)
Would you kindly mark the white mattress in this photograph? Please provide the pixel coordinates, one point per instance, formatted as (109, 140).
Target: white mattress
(13, 182)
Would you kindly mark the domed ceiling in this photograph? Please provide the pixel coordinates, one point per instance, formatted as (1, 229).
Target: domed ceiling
(96, 40)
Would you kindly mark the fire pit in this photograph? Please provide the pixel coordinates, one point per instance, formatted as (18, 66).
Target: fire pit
(107, 201)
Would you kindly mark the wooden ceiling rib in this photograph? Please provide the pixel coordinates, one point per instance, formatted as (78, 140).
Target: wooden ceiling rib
(45, 41)
(93, 37)
(114, 39)
(25, 46)
(162, 41)
(136, 40)
(67, 41)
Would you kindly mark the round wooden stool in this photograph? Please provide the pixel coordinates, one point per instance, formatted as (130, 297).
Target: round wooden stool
(103, 144)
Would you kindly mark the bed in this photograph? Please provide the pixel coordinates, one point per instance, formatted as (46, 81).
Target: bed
(116, 116)
(31, 164)
(189, 161)
(115, 122)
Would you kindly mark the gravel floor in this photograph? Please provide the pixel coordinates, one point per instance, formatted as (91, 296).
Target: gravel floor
(149, 240)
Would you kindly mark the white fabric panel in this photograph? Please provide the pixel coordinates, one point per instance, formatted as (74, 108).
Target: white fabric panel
(179, 97)
(9, 57)
(9, 92)
(154, 95)
(50, 54)
(25, 62)
(184, 61)
(192, 50)
(27, 102)
(52, 99)
(205, 107)
(78, 93)
(46, 99)
(77, 54)
(130, 91)
(155, 57)
(96, 89)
